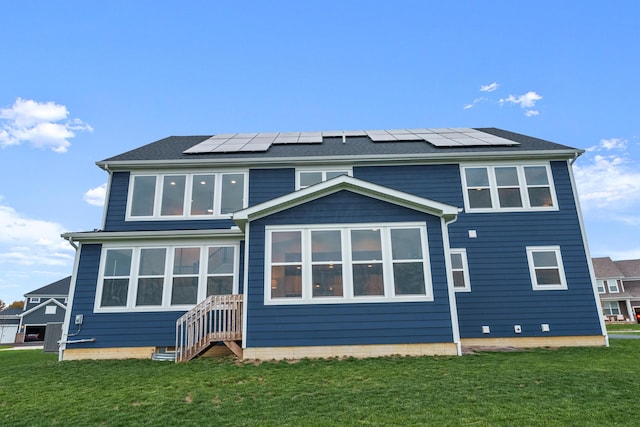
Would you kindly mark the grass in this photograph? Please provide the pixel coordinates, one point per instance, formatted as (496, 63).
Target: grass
(623, 327)
(573, 386)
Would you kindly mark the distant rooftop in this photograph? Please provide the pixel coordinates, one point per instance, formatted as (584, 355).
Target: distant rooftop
(58, 288)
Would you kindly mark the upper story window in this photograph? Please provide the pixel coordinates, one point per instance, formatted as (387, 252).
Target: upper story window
(546, 269)
(35, 300)
(50, 309)
(190, 196)
(354, 263)
(165, 277)
(460, 270)
(600, 285)
(508, 188)
(308, 177)
(613, 286)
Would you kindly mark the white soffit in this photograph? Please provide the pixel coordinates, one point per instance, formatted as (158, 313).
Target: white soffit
(260, 142)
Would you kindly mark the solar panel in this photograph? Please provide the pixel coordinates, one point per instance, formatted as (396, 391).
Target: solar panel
(438, 137)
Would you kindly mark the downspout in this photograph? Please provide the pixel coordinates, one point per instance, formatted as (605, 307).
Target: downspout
(67, 316)
(453, 304)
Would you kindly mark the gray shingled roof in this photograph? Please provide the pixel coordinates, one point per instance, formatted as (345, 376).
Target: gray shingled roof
(10, 312)
(605, 268)
(630, 268)
(58, 288)
(172, 148)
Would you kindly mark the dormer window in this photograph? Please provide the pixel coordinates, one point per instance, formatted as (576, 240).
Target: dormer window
(188, 196)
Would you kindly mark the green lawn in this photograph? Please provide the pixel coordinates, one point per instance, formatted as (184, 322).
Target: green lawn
(623, 327)
(574, 386)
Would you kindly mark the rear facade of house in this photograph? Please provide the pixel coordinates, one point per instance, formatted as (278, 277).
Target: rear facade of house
(318, 244)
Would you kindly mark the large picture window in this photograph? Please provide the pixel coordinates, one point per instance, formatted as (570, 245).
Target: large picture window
(508, 188)
(545, 266)
(354, 263)
(165, 277)
(192, 196)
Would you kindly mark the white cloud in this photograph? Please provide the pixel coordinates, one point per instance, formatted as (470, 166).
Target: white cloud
(610, 182)
(528, 100)
(475, 101)
(36, 123)
(96, 196)
(26, 241)
(531, 113)
(489, 88)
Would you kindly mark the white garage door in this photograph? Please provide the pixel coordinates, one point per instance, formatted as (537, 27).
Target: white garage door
(8, 333)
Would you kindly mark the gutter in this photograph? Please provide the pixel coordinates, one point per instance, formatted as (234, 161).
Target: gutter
(409, 158)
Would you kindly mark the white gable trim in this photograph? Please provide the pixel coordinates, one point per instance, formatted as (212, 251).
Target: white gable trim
(42, 304)
(353, 185)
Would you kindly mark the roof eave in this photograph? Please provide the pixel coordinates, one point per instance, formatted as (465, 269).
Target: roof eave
(563, 154)
(107, 236)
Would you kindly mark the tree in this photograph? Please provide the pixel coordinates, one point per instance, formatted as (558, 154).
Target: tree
(16, 304)
(2, 304)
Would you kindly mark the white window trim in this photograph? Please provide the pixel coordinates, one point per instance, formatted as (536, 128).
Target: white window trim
(600, 282)
(532, 269)
(157, 204)
(606, 310)
(348, 297)
(168, 276)
(465, 270)
(50, 309)
(34, 300)
(493, 187)
(324, 171)
(615, 289)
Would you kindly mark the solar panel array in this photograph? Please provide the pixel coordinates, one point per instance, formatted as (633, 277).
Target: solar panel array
(258, 142)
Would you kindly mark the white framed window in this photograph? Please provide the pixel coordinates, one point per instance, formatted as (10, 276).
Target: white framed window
(34, 300)
(601, 286)
(460, 270)
(202, 195)
(326, 264)
(611, 308)
(310, 176)
(508, 188)
(50, 309)
(612, 284)
(165, 277)
(545, 266)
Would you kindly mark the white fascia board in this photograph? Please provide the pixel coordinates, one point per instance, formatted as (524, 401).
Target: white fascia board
(106, 236)
(348, 183)
(410, 158)
(42, 304)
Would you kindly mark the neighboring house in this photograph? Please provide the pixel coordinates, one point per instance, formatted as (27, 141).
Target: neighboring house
(44, 311)
(9, 324)
(318, 244)
(618, 284)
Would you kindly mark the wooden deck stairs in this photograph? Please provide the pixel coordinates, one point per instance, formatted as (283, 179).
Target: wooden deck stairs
(217, 319)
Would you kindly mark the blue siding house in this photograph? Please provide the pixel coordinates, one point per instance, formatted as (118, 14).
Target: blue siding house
(342, 243)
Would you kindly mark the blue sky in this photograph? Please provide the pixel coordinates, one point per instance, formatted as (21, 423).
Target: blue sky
(83, 81)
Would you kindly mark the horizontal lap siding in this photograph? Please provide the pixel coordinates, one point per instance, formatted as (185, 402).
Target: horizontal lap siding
(346, 324)
(40, 317)
(501, 292)
(117, 209)
(267, 184)
(114, 329)
(436, 182)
